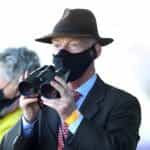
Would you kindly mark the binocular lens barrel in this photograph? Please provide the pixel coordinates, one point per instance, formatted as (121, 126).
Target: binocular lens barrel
(29, 88)
(38, 82)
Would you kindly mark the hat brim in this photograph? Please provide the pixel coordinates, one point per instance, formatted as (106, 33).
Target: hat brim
(48, 38)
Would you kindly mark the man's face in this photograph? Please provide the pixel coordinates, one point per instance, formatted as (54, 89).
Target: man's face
(72, 45)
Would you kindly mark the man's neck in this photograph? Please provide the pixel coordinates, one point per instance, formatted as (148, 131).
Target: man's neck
(87, 74)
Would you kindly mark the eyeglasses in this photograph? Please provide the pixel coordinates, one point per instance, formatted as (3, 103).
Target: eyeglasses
(71, 44)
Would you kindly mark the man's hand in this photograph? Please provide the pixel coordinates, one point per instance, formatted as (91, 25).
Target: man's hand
(30, 108)
(30, 105)
(64, 105)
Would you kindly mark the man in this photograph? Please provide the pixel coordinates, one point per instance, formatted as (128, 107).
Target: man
(101, 117)
(13, 63)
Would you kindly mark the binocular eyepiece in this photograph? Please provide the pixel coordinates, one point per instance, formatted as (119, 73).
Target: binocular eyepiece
(38, 82)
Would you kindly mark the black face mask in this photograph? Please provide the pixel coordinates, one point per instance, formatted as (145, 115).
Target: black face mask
(75, 63)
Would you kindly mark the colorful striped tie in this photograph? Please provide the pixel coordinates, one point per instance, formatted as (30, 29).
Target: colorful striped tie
(63, 128)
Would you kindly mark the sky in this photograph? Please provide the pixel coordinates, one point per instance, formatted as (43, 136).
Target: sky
(125, 63)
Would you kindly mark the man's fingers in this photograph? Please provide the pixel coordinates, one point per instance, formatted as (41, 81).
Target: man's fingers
(26, 74)
(27, 101)
(61, 81)
(23, 76)
(58, 87)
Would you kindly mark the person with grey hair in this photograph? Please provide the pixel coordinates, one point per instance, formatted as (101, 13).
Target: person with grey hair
(14, 62)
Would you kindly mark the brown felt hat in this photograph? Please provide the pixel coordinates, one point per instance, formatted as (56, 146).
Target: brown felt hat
(76, 23)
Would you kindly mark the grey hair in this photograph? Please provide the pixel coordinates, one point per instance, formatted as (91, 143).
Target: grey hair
(15, 61)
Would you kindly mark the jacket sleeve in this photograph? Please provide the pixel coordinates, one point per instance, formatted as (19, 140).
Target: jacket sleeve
(14, 140)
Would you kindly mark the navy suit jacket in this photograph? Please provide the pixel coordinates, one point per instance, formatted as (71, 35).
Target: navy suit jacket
(111, 122)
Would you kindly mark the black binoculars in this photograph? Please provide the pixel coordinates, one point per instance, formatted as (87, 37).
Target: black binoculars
(38, 82)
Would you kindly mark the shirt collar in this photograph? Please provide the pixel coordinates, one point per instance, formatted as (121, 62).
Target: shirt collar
(87, 86)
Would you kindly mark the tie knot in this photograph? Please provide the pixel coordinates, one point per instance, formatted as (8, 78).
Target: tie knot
(76, 95)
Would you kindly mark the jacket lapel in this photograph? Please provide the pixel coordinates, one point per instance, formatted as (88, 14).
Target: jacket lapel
(50, 120)
(91, 105)
(95, 96)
